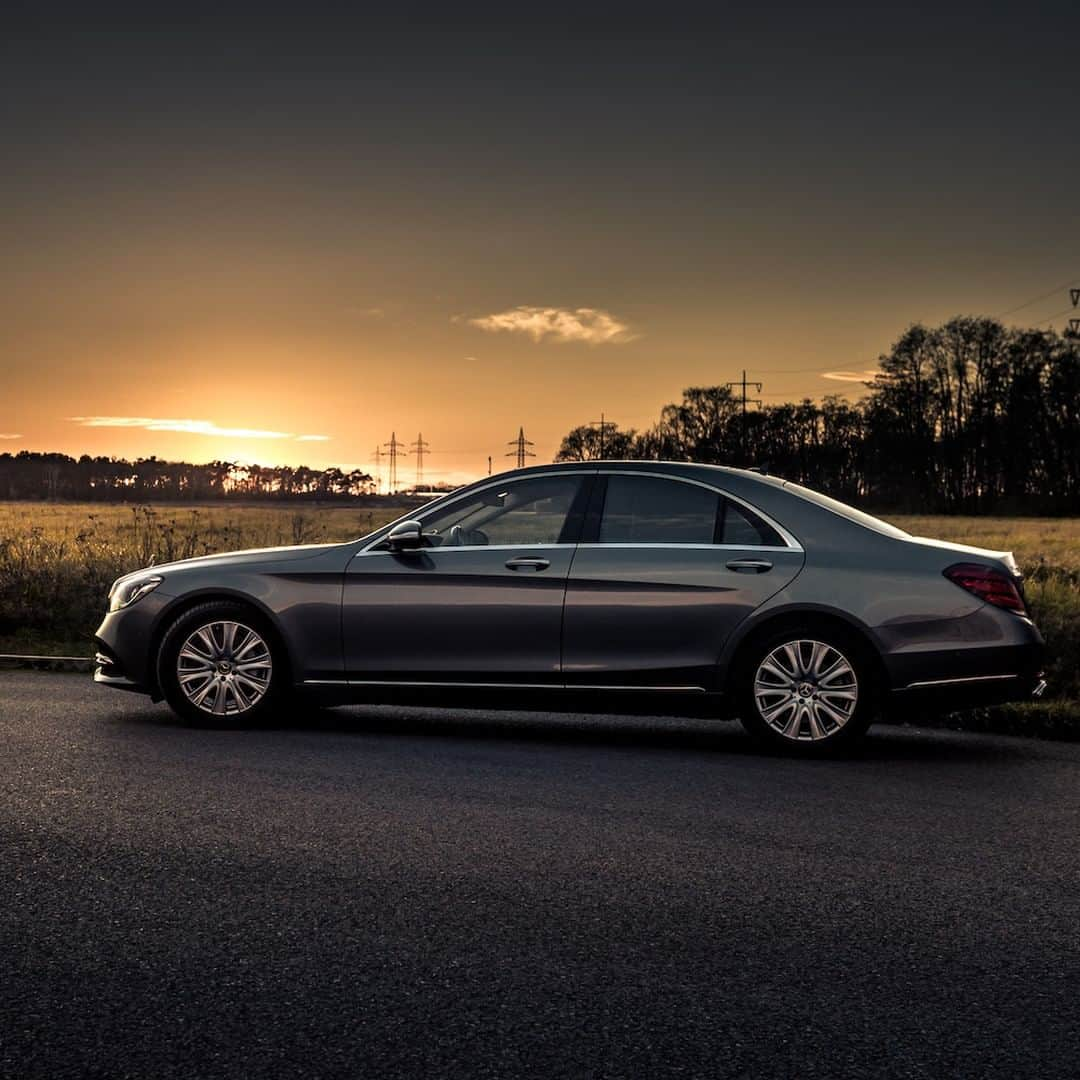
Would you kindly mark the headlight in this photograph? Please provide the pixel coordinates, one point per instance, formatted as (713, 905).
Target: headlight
(124, 593)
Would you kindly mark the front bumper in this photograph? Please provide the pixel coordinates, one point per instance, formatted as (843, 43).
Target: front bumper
(125, 645)
(108, 672)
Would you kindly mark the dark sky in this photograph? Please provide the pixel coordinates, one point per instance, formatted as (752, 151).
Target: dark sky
(463, 218)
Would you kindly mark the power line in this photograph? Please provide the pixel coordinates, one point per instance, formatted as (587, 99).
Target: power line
(396, 450)
(745, 401)
(1056, 315)
(520, 451)
(421, 448)
(603, 425)
(1035, 300)
(378, 467)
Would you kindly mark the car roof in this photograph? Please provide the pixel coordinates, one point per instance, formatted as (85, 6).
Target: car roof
(672, 468)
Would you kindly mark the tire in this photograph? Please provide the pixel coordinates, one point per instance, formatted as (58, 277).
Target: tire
(221, 665)
(807, 690)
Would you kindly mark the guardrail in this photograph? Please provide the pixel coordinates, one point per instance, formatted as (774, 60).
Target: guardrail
(47, 663)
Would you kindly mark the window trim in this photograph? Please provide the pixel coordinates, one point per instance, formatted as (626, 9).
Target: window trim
(468, 492)
(790, 542)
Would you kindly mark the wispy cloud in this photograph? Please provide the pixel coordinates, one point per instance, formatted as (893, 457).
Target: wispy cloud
(188, 427)
(6, 435)
(589, 325)
(850, 376)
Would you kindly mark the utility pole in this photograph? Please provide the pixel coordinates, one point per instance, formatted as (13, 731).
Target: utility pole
(421, 449)
(378, 468)
(395, 450)
(603, 425)
(745, 401)
(489, 464)
(520, 451)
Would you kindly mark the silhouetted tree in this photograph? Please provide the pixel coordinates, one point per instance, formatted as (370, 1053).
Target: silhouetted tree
(970, 416)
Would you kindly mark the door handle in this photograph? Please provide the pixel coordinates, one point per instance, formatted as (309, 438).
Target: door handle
(749, 566)
(527, 562)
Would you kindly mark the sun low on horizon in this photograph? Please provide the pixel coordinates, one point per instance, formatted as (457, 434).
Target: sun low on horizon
(289, 249)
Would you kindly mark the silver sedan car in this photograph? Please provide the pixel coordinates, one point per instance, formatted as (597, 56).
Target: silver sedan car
(604, 586)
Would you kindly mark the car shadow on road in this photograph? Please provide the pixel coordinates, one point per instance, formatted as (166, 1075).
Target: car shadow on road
(884, 742)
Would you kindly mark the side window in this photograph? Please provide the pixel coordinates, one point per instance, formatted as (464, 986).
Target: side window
(536, 511)
(650, 510)
(743, 528)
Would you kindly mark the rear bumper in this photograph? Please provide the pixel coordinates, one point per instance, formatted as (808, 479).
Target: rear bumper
(987, 658)
(971, 691)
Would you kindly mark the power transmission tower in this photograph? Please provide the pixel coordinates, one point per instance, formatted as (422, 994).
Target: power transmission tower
(745, 401)
(394, 451)
(603, 425)
(378, 468)
(520, 451)
(489, 464)
(1074, 324)
(421, 448)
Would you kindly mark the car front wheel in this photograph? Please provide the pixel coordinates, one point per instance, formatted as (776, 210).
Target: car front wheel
(806, 690)
(220, 664)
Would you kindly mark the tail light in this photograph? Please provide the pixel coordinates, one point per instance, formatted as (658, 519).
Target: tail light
(993, 586)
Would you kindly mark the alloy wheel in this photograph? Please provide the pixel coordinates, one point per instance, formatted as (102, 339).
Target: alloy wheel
(224, 668)
(806, 690)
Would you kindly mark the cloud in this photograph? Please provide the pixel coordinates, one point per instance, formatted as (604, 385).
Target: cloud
(187, 427)
(850, 376)
(5, 435)
(590, 325)
(312, 438)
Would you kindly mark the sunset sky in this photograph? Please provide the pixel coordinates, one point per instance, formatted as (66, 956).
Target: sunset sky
(278, 239)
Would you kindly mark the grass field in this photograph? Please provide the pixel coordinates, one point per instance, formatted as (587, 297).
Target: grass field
(57, 561)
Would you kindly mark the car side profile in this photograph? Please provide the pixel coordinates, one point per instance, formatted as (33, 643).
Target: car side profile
(600, 583)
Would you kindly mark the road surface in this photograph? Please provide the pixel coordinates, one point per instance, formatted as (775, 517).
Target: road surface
(392, 892)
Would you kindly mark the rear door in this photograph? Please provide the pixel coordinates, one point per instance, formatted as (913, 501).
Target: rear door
(666, 570)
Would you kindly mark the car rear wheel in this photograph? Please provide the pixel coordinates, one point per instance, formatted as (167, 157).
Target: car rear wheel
(806, 690)
(219, 664)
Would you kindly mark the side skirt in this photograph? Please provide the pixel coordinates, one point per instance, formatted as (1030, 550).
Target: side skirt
(643, 701)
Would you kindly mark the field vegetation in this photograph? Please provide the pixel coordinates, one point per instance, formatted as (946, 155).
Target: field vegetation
(57, 561)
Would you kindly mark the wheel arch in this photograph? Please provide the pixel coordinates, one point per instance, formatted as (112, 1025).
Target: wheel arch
(189, 600)
(755, 630)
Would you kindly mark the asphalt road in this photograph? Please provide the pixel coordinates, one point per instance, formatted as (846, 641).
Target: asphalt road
(392, 892)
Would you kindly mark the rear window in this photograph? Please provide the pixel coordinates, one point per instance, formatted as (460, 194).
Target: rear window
(868, 521)
(657, 510)
(740, 527)
(651, 510)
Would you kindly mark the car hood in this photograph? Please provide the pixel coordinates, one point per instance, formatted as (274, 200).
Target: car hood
(277, 555)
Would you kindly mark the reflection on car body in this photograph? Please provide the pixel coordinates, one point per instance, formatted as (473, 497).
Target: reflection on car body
(593, 582)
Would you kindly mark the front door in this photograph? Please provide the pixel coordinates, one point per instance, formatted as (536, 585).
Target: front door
(665, 573)
(482, 601)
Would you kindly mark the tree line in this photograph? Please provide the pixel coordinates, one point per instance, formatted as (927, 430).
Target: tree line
(968, 417)
(29, 475)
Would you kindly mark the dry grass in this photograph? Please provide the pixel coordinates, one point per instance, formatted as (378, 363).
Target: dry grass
(202, 528)
(58, 560)
(1051, 543)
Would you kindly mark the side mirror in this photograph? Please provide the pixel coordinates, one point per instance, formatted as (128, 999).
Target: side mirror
(405, 536)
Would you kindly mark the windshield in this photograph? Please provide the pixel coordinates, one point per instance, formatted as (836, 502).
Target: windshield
(868, 521)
